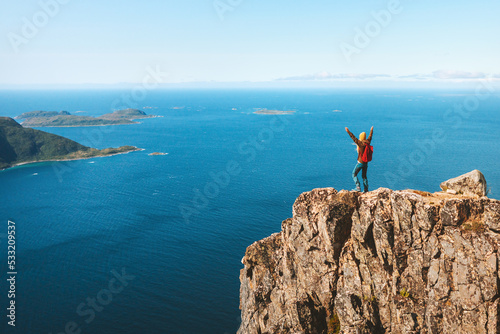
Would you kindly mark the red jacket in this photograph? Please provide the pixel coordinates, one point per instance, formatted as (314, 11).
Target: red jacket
(361, 144)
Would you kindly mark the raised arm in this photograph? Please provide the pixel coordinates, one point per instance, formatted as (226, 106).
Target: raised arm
(353, 137)
(371, 134)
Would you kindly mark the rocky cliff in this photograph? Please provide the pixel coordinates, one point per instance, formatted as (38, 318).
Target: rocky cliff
(380, 262)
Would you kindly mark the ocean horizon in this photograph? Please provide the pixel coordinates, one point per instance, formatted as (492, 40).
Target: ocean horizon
(157, 241)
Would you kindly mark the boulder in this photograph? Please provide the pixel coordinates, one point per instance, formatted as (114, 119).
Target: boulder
(470, 184)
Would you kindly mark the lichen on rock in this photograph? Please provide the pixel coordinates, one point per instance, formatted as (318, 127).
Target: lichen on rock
(381, 262)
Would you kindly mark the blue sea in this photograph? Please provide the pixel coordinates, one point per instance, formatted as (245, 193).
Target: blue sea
(135, 243)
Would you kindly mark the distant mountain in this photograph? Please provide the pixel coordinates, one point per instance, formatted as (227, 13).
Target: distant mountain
(39, 113)
(64, 118)
(72, 120)
(23, 145)
(127, 114)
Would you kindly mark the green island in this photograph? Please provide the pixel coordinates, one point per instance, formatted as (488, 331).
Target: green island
(273, 112)
(64, 118)
(20, 145)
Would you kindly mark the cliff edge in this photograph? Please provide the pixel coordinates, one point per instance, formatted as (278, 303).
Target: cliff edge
(380, 262)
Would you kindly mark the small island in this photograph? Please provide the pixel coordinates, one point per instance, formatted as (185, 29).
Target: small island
(19, 146)
(65, 119)
(273, 112)
(157, 153)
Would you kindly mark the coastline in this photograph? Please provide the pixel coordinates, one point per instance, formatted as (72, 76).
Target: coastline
(75, 159)
(74, 126)
(85, 126)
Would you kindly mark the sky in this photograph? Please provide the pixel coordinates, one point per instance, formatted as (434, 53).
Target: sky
(69, 42)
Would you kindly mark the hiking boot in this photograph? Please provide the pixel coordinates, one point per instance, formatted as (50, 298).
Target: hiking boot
(357, 189)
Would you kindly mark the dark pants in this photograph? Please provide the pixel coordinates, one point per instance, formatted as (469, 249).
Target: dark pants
(364, 168)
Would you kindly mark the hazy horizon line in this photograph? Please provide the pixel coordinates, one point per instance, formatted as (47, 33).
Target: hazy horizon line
(281, 83)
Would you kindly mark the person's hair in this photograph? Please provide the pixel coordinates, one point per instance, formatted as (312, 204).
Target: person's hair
(362, 136)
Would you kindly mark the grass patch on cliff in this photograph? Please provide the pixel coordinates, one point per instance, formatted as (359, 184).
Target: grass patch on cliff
(422, 193)
(474, 226)
(334, 324)
(404, 293)
(369, 299)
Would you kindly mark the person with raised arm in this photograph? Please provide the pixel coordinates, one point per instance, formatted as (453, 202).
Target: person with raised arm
(363, 144)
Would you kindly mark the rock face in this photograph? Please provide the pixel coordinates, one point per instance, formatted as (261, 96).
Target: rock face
(381, 262)
(472, 183)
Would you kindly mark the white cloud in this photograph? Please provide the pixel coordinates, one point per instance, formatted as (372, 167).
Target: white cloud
(414, 77)
(446, 74)
(329, 76)
(436, 76)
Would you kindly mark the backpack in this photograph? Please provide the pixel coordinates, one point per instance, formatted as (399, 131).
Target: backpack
(367, 154)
